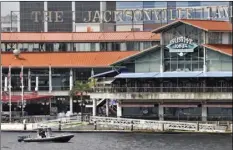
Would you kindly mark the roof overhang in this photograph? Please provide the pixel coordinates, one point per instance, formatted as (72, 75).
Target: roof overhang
(135, 55)
(218, 48)
(52, 66)
(180, 21)
(198, 74)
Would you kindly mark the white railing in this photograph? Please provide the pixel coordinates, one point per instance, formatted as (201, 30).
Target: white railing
(137, 124)
(119, 123)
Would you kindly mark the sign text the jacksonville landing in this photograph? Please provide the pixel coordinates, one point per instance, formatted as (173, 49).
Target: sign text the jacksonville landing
(139, 14)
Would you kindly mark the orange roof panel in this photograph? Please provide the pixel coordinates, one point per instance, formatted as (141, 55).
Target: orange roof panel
(67, 59)
(222, 48)
(207, 25)
(210, 25)
(79, 36)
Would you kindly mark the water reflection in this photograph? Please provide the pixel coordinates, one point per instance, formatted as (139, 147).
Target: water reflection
(126, 141)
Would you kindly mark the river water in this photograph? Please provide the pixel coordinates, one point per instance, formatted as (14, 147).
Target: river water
(125, 141)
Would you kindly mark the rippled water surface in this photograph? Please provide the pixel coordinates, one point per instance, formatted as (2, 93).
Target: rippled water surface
(125, 141)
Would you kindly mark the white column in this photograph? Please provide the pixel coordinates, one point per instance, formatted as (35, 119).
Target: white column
(204, 113)
(5, 84)
(102, 9)
(9, 87)
(94, 107)
(73, 16)
(119, 110)
(18, 22)
(1, 76)
(50, 80)
(29, 80)
(161, 53)
(37, 84)
(161, 112)
(204, 50)
(46, 22)
(22, 91)
(71, 86)
(107, 107)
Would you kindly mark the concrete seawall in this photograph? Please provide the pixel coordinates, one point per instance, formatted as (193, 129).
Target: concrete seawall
(19, 127)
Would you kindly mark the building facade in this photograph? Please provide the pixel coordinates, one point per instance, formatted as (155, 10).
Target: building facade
(187, 77)
(62, 16)
(197, 9)
(112, 16)
(181, 70)
(78, 41)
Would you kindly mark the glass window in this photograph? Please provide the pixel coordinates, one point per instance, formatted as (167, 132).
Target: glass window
(187, 62)
(36, 47)
(146, 45)
(220, 3)
(215, 37)
(93, 46)
(49, 47)
(182, 4)
(103, 46)
(83, 46)
(133, 45)
(60, 79)
(3, 47)
(194, 3)
(230, 38)
(129, 5)
(30, 47)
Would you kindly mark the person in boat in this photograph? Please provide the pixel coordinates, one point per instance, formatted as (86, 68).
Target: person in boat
(42, 133)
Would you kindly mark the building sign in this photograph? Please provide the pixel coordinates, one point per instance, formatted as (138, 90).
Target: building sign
(46, 16)
(181, 45)
(224, 12)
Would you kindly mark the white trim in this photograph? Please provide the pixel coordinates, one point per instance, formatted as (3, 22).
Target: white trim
(46, 22)
(73, 16)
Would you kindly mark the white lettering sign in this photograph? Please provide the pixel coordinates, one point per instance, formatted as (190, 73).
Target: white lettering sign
(181, 45)
(140, 14)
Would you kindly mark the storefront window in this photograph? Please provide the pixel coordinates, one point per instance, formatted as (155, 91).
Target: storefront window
(192, 61)
(215, 38)
(60, 79)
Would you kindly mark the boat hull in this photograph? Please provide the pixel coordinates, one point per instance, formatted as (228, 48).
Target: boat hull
(60, 139)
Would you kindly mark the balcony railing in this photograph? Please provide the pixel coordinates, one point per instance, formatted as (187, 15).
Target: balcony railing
(160, 89)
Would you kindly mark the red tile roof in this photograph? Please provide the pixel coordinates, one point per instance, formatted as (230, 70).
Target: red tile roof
(64, 59)
(207, 25)
(79, 36)
(222, 48)
(210, 25)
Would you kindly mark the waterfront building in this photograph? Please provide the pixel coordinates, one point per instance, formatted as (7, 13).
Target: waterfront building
(188, 76)
(49, 63)
(181, 70)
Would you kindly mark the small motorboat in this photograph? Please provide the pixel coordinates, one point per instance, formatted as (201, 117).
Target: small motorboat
(45, 135)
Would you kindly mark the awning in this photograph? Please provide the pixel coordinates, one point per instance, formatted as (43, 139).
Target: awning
(216, 74)
(104, 73)
(137, 105)
(137, 75)
(179, 105)
(178, 74)
(28, 97)
(218, 105)
(111, 72)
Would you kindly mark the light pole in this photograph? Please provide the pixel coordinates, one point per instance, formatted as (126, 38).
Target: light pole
(0, 73)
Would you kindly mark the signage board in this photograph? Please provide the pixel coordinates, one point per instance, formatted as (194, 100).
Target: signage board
(137, 15)
(181, 45)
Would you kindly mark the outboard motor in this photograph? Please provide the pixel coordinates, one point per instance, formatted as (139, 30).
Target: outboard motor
(21, 138)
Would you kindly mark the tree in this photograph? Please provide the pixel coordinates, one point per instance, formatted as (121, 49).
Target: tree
(81, 87)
